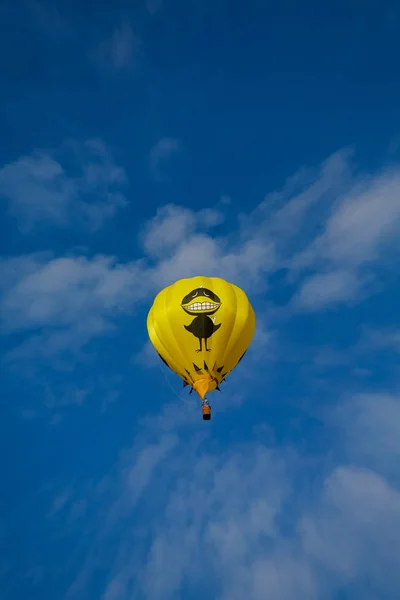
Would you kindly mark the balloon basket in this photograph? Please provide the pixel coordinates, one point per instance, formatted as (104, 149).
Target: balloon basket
(206, 410)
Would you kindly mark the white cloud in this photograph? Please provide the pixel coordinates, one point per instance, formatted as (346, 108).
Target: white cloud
(355, 532)
(243, 517)
(147, 357)
(138, 472)
(363, 227)
(370, 425)
(69, 300)
(177, 237)
(174, 225)
(162, 151)
(292, 215)
(381, 339)
(65, 290)
(333, 227)
(252, 517)
(323, 289)
(76, 298)
(365, 222)
(120, 51)
(60, 501)
(40, 191)
(222, 507)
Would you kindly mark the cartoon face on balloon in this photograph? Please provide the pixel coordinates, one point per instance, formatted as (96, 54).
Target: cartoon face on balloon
(201, 303)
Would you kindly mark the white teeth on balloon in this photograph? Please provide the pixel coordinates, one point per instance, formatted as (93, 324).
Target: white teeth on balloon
(202, 306)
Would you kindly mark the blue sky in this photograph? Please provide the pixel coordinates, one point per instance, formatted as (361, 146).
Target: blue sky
(144, 142)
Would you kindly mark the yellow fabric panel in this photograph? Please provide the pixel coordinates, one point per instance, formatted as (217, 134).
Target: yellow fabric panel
(201, 327)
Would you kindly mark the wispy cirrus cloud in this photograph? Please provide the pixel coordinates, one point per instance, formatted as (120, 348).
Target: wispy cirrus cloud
(262, 514)
(173, 225)
(255, 525)
(41, 190)
(362, 228)
(382, 338)
(69, 300)
(370, 427)
(329, 288)
(162, 151)
(330, 229)
(75, 298)
(120, 51)
(83, 294)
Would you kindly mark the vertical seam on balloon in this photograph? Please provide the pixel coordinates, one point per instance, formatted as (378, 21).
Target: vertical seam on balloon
(210, 285)
(168, 355)
(245, 324)
(171, 360)
(232, 328)
(172, 329)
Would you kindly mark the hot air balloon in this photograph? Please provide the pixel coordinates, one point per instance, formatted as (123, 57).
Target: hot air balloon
(201, 328)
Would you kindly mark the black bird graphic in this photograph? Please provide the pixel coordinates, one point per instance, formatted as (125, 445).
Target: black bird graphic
(202, 303)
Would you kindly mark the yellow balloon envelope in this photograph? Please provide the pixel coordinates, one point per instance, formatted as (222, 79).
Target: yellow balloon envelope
(201, 327)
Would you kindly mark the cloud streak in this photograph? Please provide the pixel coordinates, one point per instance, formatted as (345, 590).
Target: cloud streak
(242, 516)
(120, 51)
(40, 192)
(161, 152)
(78, 297)
(185, 512)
